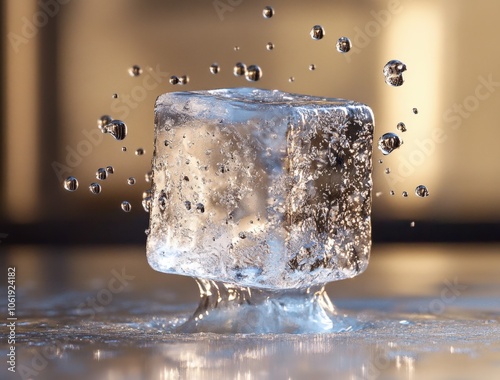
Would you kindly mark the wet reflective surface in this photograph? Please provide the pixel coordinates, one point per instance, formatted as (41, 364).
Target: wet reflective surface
(427, 311)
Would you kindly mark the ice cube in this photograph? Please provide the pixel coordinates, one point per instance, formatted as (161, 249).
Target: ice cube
(261, 188)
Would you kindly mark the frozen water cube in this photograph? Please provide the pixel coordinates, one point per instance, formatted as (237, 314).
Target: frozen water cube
(261, 188)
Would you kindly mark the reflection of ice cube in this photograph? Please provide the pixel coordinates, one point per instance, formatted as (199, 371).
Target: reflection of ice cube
(261, 188)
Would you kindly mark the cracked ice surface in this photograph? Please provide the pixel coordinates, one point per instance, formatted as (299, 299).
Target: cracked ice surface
(261, 188)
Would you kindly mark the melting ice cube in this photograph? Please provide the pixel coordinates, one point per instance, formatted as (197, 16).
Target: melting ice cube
(261, 188)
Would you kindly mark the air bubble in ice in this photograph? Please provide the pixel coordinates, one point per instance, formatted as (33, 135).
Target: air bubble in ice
(187, 204)
(317, 32)
(401, 127)
(174, 80)
(101, 174)
(268, 12)
(388, 142)
(254, 73)
(110, 169)
(421, 191)
(139, 152)
(239, 69)
(343, 45)
(103, 121)
(393, 72)
(116, 128)
(162, 201)
(126, 206)
(214, 68)
(71, 184)
(270, 46)
(242, 235)
(131, 181)
(200, 207)
(95, 188)
(135, 71)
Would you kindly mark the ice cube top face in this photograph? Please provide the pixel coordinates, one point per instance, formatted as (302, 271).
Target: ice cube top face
(261, 188)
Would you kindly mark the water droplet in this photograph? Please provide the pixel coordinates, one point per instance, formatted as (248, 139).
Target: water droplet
(291, 79)
(412, 224)
(388, 142)
(254, 73)
(139, 152)
(405, 194)
(184, 79)
(415, 111)
(200, 207)
(214, 68)
(103, 121)
(148, 176)
(131, 181)
(71, 184)
(146, 204)
(380, 161)
(242, 235)
(378, 194)
(239, 69)
(135, 71)
(392, 192)
(312, 67)
(387, 170)
(393, 72)
(317, 32)
(114, 96)
(162, 201)
(401, 127)
(268, 12)
(174, 80)
(95, 188)
(124, 148)
(126, 206)
(101, 174)
(343, 45)
(421, 191)
(270, 46)
(110, 169)
(236, 48)
(117, 129)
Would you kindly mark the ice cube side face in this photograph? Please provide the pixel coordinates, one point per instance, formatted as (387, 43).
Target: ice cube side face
(261, 188)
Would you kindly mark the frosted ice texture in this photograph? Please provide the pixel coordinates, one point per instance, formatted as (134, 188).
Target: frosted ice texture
(261, 188)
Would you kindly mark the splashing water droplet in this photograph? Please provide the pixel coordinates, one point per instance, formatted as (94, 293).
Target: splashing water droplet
(124, 148)
(71, 184)
(95, 188)
(268, 12)
(114, 96)
(174, 80)
(183, 80)
(405, 194)
(139, 152)
(392, 192)
(103, 121)
(291, 79)
(380, 161)
(393, 73)
(101, 174)
(254, 73)
(126, 206)
(270, 46)
(421, 191)
(148, 176)
(387, 170)
(117, 129)
(110, 169)
(214, 68)
(388, 142)
(415, 111)
(401, 127)
(135, 71)
(317, 32)
(312, 67)
(131, 181)
(343, 45)
(239, 69)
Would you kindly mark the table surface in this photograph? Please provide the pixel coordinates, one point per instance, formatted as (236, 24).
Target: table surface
(424, 311)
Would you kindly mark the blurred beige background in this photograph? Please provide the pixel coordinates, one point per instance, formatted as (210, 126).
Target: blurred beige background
(59, 77)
